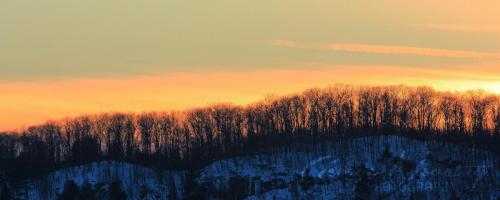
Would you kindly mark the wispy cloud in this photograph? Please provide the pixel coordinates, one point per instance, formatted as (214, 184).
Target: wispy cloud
(460, 27)
(390, 49)
(286, 43)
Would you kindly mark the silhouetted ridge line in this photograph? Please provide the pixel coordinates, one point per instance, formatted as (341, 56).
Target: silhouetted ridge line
(193, 138)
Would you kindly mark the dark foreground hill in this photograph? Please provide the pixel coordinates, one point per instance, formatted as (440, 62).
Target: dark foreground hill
(378, 167)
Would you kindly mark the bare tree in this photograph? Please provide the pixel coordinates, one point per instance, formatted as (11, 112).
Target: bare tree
(479, 106)
(146, 125)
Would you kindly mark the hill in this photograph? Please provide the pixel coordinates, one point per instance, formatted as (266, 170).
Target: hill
(388, 167)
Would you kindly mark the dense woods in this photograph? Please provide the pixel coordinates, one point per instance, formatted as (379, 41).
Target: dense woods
(196, 137)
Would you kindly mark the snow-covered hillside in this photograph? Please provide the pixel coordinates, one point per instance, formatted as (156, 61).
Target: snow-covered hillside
(395, 168)
(137, 181)
(386, 167)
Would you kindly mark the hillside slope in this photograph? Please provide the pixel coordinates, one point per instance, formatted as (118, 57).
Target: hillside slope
(388, 167)
(137, 181)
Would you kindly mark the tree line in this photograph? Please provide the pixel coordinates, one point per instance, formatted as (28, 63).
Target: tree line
(193, 138)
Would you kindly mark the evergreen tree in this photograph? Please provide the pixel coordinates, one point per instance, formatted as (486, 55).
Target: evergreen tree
(87, 192)
(5, 193)
(144, 192)
(116, 192)
(363, 187)
(387, 152)
(193, 190)
(172, 190)
(70, 192)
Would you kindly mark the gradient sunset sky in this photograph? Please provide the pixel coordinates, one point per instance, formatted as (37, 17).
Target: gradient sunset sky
(63, 58)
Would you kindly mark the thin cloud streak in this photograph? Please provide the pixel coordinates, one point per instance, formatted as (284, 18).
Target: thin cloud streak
(389, 49)
(459, 27)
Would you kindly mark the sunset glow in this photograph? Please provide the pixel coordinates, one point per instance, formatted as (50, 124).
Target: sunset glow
(66, 58)
(259, 99)
(29, 103)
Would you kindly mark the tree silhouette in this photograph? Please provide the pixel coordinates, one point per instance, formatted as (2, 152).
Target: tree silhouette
(87, 192)
(363, 187)
(70, 192)
(193, 138)
(115, 191)
(5, 193)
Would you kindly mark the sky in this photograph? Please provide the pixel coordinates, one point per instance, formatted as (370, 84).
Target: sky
(63, 58)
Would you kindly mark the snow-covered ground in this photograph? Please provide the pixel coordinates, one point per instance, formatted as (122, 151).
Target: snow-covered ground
(412, 168)
(134, 180)
(387, 167)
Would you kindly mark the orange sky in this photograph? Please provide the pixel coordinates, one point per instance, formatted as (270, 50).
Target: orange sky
(63, 58)
(27, 103)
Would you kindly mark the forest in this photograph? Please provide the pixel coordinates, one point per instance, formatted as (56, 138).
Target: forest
(193, 138)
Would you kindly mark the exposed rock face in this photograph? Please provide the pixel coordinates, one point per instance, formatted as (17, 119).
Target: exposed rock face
(381, 167)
